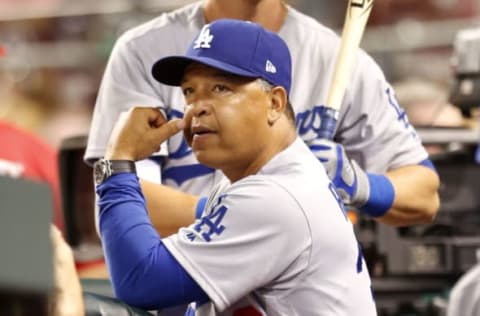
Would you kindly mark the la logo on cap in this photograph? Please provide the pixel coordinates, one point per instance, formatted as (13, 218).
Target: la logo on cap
(204, 38)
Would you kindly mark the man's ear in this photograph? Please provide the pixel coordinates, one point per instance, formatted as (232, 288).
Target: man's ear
(278, 104)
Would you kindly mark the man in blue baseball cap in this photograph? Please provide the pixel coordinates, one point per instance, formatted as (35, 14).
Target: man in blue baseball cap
(273, 237)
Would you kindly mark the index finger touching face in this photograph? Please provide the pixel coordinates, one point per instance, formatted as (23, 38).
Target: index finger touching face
(169, 129)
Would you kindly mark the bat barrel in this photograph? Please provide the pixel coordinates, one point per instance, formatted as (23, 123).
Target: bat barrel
(356, 19)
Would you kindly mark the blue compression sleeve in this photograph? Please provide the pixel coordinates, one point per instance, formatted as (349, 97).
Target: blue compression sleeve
(143, 272)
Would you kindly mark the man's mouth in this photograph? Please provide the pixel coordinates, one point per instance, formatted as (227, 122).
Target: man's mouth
(200, 130)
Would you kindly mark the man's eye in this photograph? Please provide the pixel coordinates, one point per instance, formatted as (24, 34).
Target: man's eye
(220, 88)
(187, 91)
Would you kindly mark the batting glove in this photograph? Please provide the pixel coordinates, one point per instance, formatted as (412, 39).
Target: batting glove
(373, 194)
(349, 179)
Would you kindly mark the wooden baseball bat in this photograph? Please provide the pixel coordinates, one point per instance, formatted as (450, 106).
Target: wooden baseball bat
(356, 19)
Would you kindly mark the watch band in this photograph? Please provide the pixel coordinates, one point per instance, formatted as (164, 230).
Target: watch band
(120, 166)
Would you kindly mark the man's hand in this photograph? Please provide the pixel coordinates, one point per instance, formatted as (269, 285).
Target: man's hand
(67, 299)
(139, 132)
(349, 179)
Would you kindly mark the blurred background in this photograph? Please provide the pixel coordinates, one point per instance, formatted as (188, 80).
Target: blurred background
(52, 52)
(52, 57)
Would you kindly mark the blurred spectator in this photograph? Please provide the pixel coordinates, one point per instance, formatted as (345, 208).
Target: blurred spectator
(426, 104)
(67, 299)
(39, 108)
(23, 155)
(26, 102)
(23, 110)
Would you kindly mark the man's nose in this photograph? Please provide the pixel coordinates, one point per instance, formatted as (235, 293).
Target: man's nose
(200, 107)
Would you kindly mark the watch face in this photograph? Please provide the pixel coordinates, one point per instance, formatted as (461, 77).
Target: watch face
(103, 169)
(100, 171)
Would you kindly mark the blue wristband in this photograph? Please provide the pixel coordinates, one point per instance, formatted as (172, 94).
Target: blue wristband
(200, 206)
(382, 195)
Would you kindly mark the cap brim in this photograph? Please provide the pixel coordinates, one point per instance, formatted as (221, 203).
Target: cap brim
(170, 70)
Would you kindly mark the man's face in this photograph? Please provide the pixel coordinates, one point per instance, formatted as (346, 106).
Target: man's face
(226, 116)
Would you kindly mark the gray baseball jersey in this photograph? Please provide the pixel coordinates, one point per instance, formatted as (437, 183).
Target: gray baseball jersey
(281, 242)
(372, 127)
(464, 298)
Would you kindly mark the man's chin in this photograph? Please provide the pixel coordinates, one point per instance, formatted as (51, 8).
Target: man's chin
(206, 158)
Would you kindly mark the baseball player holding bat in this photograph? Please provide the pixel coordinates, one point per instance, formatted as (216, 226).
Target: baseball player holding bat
(375, 159)
(273, 238)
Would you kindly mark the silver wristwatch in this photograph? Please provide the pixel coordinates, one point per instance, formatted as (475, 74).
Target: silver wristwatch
(104, 169)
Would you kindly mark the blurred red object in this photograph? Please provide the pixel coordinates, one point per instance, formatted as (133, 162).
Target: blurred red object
(24, 155)
(3, 51)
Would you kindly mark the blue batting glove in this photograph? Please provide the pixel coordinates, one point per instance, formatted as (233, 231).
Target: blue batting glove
(350, 180)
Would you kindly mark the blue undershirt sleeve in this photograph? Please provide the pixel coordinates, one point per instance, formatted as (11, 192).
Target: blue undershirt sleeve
(428, 163)
(143, 272)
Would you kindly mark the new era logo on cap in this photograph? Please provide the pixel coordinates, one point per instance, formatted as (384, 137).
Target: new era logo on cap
(269, 67)
(234, 46)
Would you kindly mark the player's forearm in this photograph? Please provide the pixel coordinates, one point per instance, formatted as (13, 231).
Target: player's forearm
(169, 209)
(416, 196)
(140, 266)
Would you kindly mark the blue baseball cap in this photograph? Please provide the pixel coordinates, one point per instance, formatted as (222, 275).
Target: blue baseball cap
(234, 46)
